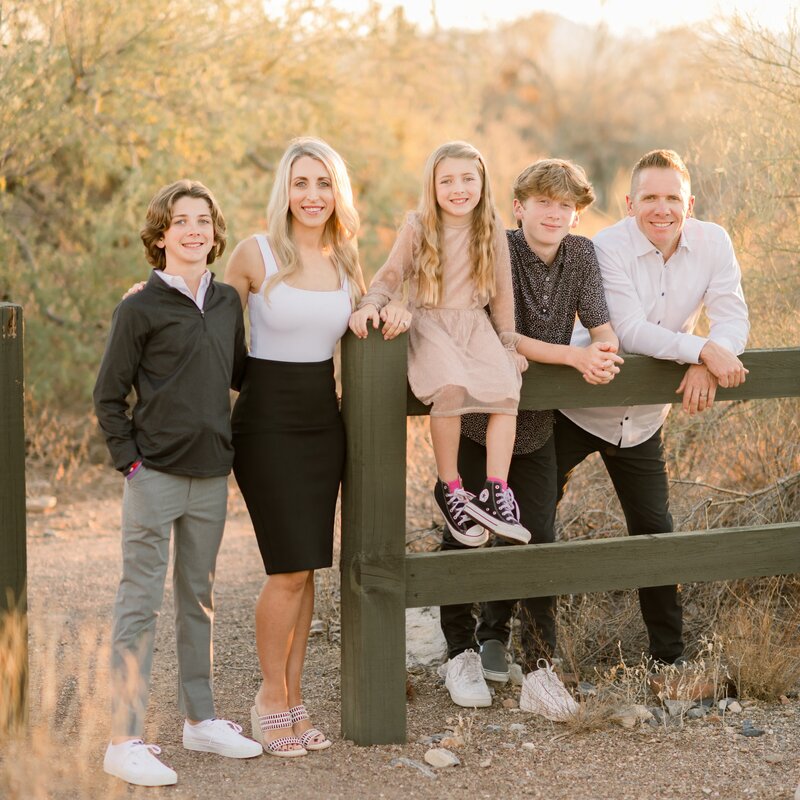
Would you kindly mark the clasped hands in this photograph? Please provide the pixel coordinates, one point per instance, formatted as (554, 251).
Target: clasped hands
(598, 362)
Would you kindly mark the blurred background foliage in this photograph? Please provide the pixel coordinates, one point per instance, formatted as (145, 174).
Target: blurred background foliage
(103, 101)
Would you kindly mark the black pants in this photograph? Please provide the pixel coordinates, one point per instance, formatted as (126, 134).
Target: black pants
(639, 475)
(532, 477)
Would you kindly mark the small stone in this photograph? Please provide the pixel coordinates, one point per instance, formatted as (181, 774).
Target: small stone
(515, 675)
(508, 746)
(706, 790)
(528, 746)
(797, 793)
(677, 708)
(659, 715)
(586, 689)
(784, 700)
(410, 762)
(437, 737)
(49, 534)
(773, 758)
(487, 762)
(629, 716)
(441, 758)
(41, 504)
(510, 703)
(317, 626)
(734, 707)
(748, 729)
(452, 741)
(697, 713)
(517, 727)
(493, 728)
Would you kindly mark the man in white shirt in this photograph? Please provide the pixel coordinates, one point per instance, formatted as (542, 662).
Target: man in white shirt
(660, 268)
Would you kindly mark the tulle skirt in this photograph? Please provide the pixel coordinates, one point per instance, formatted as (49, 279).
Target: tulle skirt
(457, 363)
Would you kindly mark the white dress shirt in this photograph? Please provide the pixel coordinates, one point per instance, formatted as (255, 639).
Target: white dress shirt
(177, 282)
(654, 307)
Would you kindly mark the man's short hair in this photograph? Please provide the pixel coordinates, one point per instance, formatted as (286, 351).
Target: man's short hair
(660, 159)
(557, 179)
(159, 218)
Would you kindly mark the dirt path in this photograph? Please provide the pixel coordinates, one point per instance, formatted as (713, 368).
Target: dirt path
(73, 571)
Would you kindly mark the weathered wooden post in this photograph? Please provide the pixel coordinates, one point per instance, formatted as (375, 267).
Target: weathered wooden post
(13, 560)
(373, 540)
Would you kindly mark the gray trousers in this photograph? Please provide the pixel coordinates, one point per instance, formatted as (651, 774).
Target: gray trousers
(153, 504)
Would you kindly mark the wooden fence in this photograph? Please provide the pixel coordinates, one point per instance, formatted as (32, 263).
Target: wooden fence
(379, 581)
(13, 560)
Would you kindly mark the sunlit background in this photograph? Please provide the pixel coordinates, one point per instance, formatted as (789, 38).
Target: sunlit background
(103, 101)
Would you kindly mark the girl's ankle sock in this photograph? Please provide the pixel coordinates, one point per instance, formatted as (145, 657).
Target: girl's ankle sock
(503, 484)
(453, 485)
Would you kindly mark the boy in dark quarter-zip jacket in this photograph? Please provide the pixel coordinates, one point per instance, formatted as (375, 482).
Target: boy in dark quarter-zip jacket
(179, 343)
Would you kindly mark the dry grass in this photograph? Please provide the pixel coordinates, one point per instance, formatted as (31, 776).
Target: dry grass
(58, 747)
(760, 636)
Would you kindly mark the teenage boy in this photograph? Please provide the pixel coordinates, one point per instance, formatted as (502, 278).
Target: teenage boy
(660, 268)
(179, 343)
(555, 275)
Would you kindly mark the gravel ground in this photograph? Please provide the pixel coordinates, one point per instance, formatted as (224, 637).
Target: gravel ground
(73, 570)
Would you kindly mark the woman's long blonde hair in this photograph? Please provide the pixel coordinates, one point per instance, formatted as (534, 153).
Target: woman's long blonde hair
(481, 246)
(339, 234)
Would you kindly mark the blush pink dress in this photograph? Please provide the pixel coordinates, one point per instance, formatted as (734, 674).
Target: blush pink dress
(460, 359)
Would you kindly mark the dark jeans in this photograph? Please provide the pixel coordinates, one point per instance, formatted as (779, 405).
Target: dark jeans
(533, 479)
(639, 475)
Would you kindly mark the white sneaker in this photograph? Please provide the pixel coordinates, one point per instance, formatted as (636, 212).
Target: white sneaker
(136, 762)
(463, 677)
(220, 736)
(543, 693)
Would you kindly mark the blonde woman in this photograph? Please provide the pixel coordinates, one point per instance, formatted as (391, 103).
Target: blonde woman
(454, 254)
(299, 283)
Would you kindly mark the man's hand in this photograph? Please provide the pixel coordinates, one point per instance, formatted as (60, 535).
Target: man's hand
(396, 320)
(597, 362)
(359, 319)
(698, 387)
(723, 365)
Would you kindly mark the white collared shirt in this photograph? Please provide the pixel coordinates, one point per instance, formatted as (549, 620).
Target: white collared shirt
(177, 282)
(655, 306)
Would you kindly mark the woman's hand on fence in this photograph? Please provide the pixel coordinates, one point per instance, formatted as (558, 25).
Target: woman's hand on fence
(396, 320)
(137, 287)
(598, 362)
(360, 318)
(698, 388)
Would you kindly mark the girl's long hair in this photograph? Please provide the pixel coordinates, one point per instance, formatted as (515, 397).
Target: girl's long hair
(482, 239)
(339, 234)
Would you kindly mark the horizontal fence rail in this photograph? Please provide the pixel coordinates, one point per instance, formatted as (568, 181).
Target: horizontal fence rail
(542, 570)
(379, 580)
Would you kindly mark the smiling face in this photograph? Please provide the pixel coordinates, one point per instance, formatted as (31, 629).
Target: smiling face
(311, 197)
(458, 186)
(190, 236)
(660, 202)
(545, 221)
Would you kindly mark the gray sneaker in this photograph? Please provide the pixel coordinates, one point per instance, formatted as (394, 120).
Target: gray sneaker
(494, 660)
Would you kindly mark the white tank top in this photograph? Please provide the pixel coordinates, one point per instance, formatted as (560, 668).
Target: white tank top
(298, 325)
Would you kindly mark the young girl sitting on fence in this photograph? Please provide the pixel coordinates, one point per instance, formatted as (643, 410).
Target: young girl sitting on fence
(453, 252)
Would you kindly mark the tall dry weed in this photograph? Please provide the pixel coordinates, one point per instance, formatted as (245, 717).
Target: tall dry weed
(55, 755)
(760, 636)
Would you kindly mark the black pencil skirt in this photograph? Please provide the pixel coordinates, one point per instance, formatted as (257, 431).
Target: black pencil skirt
(289, 448)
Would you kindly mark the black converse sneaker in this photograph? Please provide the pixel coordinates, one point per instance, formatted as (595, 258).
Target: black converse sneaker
(497, 510)
(462, 528)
